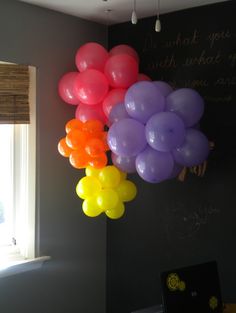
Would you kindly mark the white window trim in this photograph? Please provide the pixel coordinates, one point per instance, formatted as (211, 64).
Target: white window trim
(22, 257)
(18, 267)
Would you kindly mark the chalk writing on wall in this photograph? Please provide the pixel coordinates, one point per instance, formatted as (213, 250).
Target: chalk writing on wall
(184, 221)
(194, 59)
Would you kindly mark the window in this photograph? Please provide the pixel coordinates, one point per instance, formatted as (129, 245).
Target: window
(17, 187)
(17, 221)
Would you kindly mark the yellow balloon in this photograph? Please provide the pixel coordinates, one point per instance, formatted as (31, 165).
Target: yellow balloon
(126, 190)
(107, 199)
(91, 171)
(87, 187)
(109, 176)
(90, 207)
(117, 212)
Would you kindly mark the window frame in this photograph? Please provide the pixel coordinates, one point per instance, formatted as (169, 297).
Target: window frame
(23, 255)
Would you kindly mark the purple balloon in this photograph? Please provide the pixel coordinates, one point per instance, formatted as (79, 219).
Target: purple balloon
(195, 149)
(125, 164)
(154, 166)
(165, 131)
(117, 113)
(127, 137)
(187, 103)
(142, 100)
(164, 88)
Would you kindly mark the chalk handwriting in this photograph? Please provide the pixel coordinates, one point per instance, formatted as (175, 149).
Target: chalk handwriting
(166, 63)
(217, 36)
(149, 43)
(203, 59)
(226, 81)
(223, 99)
(185, 222)
(182, 40)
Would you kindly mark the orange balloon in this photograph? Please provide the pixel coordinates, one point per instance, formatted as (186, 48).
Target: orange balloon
(79, 159)
(93, 126)
(98, 161)
(63, 148)
(94, 147)
(97, 135)
(73, 124)
(76, 139)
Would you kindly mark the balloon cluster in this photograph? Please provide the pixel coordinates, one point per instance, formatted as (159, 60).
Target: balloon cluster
(85, 144)
(101, 80)
(154, 131)
(105, 190)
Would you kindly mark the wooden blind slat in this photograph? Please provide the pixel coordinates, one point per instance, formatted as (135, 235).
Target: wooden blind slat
(14, 94)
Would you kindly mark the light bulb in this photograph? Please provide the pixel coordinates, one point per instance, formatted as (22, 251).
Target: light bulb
(134, 18)
(158, 22)
(158, 25)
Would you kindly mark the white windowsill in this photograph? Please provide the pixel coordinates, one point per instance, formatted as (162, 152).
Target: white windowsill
(23, 266)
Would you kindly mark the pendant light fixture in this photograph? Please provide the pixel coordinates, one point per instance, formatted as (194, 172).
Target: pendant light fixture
(158, 22)
(134, 19)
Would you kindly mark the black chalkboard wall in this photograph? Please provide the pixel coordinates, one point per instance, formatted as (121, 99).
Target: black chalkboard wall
(174, 224)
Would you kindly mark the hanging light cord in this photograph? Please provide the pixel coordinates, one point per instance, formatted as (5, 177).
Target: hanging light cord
(158, 9)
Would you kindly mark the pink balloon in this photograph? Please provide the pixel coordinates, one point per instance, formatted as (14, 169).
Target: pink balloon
(113, 97)
(121, 71)
(91, 56)
(85, 112)
(91, 86)
(124, 49)
(66, 88)
(143, 77)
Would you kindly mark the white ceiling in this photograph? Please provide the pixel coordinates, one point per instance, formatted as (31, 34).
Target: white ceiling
(96, 10)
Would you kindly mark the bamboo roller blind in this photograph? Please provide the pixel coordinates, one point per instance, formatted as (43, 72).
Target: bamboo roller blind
(14, 94)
